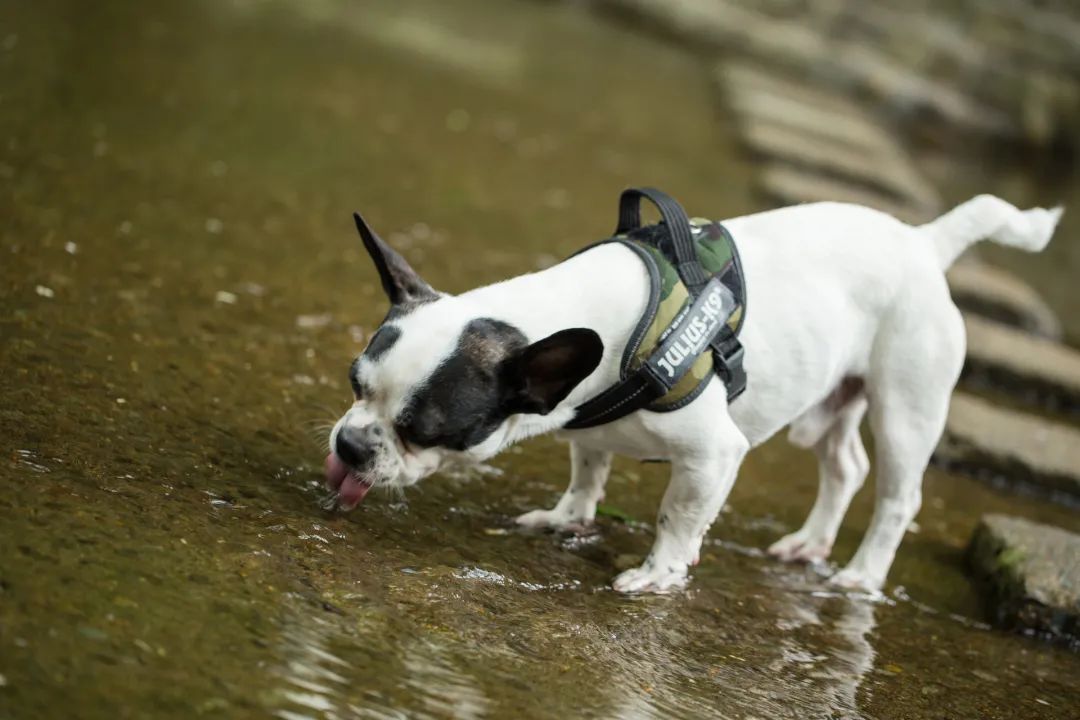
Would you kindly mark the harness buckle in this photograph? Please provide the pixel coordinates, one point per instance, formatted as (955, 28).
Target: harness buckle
(729, 360)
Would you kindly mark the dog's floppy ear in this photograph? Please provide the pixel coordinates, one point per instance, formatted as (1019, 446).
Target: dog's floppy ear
(399, 280)
(541, 375)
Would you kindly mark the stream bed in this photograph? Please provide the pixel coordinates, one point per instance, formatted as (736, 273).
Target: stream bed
(181, 293)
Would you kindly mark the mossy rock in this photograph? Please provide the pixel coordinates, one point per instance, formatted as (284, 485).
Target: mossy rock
(1032, 573)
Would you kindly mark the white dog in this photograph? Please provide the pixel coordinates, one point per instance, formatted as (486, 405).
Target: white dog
(848, 312)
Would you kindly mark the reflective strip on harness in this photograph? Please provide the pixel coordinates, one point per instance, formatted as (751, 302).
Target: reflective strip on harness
(690, 333)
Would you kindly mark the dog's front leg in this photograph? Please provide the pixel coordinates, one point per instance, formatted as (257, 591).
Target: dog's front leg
(700, 483)
(589, 470)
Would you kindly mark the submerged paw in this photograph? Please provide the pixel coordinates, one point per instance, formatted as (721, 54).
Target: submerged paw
(849, 579)
(799, 548)
(555, 519)
(651, 579)
(535, 519)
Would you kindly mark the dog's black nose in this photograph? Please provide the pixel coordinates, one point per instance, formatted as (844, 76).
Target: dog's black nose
(355, 447)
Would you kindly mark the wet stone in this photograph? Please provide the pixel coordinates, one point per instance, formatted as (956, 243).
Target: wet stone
(1011, 449)
(885, 172)
(823, 131)
(1001, 296)
(815, 56)
(1032, 367)
(1033, 573)
(811, 121)
(914, 92)
(788, 185)
(762, 96)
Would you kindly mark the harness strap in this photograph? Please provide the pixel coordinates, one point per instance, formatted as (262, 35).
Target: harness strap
(678, 227)
(703, 323)
(699, 323)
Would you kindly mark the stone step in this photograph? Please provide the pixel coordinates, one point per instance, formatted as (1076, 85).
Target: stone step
(820, 130)
(787, 185)
(886, 171)
(762, 95)
(1011, 449)
(1033, 572)
(791, 45)
(811, 121)
(1011, 359)
(998, 295)
(908, 90)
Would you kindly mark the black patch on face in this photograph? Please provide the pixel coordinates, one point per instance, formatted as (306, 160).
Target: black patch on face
(383, 339)
(468, 396)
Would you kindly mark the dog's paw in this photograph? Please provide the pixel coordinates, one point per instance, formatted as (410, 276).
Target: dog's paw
(650, 578)
(797, 547)
(555, 519)
(849, 579)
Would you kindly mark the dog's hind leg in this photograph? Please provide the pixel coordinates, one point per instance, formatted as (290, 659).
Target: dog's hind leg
(915, 366)
(833, 430)
(589, 470)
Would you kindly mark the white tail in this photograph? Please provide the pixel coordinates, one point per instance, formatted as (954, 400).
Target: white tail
(987, 216)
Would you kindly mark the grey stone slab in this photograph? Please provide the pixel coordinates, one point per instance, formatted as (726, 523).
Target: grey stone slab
(787, 185)
(776, 107)
(1032, 572)
(1014, 360)
(999, 295)
(763, 94)
(885, 171)
(820, 129)
(909, 90)
(1012, 449)
(811, 54)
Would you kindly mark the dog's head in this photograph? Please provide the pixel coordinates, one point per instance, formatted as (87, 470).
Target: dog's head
(440, 382)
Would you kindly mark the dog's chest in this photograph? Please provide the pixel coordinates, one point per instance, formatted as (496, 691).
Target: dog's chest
(627, 437)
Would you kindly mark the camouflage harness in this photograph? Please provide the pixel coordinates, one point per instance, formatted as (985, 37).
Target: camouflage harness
(697, 302)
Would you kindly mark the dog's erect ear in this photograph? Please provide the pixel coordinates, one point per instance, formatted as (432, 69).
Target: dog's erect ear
(402, 284)
(543, 374)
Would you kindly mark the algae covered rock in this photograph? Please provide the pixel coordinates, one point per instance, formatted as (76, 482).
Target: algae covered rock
(1033, 574)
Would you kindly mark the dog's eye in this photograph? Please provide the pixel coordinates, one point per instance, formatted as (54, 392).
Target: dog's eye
(354, 379)
(416, 435)
(400, 434)
(421, 425)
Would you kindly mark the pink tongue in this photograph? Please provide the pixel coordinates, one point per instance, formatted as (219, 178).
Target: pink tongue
(352, 491)
(335, 471)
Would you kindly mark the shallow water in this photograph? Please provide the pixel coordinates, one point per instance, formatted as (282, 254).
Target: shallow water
(181, 292)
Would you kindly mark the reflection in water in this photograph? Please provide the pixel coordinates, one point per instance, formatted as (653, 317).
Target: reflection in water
(313, 675)
(446, 691)
(812, 665)
(838, 672)
(320, 684)
(772, 643)
(29, 460)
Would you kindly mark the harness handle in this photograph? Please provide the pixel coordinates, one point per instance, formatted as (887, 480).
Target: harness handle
(678, 225)
(703, 319)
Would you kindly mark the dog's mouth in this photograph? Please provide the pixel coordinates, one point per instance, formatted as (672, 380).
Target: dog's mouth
(347, 483)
